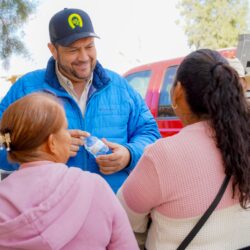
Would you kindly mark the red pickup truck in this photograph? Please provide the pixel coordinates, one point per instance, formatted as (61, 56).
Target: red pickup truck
(153, 81)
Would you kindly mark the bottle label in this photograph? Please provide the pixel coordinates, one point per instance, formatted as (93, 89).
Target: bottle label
(99, 145)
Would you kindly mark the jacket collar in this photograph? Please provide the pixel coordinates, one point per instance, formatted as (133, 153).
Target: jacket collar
(100, 77)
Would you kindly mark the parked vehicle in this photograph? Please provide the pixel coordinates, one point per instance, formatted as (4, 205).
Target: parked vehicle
(154, 81)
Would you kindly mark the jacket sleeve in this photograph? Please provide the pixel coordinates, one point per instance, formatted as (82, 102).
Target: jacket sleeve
(142, 128)
(14, 93)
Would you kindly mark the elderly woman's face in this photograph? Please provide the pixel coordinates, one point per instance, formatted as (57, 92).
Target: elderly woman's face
(62, 140)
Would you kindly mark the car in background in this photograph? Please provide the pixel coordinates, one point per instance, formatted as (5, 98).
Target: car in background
(154, 81)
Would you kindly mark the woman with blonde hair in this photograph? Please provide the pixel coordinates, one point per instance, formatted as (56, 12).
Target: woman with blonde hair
(205, 167)
(46, 205)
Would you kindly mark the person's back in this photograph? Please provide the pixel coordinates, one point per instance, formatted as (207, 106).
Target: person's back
(188, 171)
(179, 177)
(45, 204)
(64, 209)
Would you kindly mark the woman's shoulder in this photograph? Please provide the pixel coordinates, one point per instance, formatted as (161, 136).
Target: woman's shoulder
(193, 134)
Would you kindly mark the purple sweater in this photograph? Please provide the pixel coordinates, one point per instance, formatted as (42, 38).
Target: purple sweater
(47, 205)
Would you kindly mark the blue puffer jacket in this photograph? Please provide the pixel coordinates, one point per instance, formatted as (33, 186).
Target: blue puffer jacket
(114, 111)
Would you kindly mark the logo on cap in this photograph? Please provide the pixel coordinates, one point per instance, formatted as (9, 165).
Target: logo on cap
(75, 20)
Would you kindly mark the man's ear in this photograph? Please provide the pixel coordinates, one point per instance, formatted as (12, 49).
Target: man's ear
(53, 50)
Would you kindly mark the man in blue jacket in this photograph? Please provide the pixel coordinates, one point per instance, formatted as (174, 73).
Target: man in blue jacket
(97, 101)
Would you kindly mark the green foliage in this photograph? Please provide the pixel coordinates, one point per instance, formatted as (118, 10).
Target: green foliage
(213, 24)
(13, 14)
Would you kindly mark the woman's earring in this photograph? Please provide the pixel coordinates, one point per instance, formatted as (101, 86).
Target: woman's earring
(174, 106)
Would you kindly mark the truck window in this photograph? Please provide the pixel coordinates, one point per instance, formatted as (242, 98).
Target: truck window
(139, 81)
(164, 107)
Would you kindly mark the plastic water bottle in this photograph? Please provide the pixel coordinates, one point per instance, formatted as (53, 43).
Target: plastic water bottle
(95, 146)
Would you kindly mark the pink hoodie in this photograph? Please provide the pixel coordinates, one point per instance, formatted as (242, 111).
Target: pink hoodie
(47, 205)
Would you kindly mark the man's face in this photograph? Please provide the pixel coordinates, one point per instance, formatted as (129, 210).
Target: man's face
(78, 60)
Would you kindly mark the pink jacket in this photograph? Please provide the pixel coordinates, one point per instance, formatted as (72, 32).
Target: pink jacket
(47, 205)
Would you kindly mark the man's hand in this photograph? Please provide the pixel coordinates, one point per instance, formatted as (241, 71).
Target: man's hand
(114, 162)
(76, 140)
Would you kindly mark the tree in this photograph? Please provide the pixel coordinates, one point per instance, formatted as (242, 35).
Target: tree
(213, 24)
(13, 14)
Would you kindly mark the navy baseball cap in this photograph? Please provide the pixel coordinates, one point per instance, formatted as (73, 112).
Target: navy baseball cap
(70, 25)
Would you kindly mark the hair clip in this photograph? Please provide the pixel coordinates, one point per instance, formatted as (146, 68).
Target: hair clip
(5, 140)
(1, 141)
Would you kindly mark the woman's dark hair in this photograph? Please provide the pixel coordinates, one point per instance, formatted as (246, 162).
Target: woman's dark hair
(29, 121)
(213, 91)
